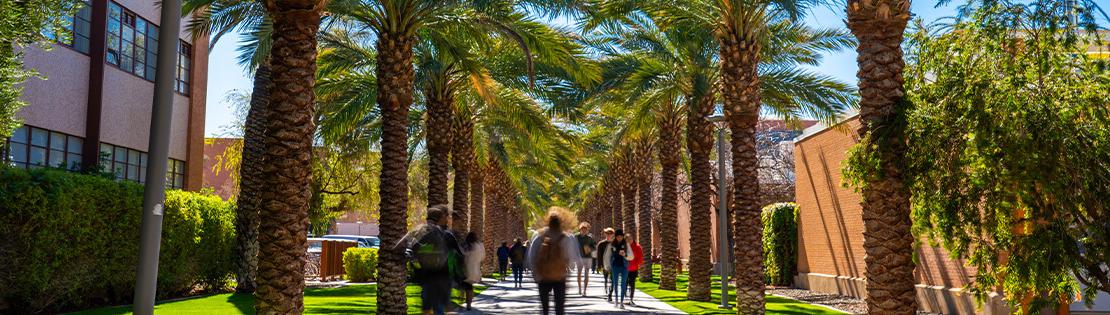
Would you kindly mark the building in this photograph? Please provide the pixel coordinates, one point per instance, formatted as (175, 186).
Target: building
(830, 234)
(94, 107)
(217, 175)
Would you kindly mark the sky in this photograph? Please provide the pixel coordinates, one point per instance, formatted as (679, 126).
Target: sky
(225, 75)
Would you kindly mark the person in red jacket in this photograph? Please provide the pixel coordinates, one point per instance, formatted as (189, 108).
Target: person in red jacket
(633, 269)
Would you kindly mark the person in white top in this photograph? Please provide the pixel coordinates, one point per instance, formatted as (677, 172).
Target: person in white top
(473, 264)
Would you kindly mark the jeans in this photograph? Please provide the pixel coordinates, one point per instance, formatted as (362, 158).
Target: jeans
(620, 275)
(518, 273)
(434, 297)
(560, 288)
(501, 265)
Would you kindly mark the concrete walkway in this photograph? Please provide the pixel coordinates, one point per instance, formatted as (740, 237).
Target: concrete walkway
(502, 298)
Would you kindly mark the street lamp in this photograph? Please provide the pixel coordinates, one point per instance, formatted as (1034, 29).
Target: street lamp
(154, 191)
(723, 255)
(359, 227)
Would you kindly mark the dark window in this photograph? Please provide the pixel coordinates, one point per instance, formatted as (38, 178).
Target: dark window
(31, 147)
(133, 47)
(184, 63)
(131, 165)
(80, 28)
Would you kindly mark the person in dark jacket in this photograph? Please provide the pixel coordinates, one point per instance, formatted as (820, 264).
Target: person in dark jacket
(602, 253)
(502, 260)
(516, 257)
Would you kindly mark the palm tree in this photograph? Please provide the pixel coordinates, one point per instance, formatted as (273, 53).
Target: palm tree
(216, 18)
(285, 198)
(888, 241)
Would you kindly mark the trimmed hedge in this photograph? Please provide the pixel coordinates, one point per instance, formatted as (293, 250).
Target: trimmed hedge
(361, 264)
(71, 241)
(780, 243)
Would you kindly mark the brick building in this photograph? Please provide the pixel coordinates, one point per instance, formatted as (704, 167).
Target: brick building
(830, 234)
(95, 105)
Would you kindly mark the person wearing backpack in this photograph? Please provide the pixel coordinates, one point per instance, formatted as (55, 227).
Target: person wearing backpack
(431, 250)
(603, 260)
(516, 256)
(620, 256)
(550, 256)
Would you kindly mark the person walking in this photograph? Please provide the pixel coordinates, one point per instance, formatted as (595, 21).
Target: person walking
(429, 249)
(603, 260)
(620, 255)
(502, 260)
(474, 256)
(552, 252)
(634, 269)
(582, 262)
(516, 256)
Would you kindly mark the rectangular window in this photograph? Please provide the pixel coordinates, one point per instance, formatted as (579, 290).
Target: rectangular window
(129, 164)
(31, 147)
(133, 47)
(184, 63)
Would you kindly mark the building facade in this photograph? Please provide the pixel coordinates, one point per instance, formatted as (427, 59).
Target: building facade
(830, 235)
(93, 108)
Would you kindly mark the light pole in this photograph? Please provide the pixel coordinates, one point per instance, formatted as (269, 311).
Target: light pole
(359, 227)
(154, 193)
(723, 254)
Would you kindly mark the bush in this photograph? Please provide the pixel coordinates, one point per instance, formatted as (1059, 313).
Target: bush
(780, 243)
(72, 241)
(361, 264)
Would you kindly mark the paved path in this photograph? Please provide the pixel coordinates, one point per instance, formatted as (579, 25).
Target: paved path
(502, 298)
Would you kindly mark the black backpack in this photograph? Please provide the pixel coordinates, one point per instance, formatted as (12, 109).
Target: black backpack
(430, 252)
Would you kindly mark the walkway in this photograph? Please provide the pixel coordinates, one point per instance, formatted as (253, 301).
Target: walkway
(502, 298)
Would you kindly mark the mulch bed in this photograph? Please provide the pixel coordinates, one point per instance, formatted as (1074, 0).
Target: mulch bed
(840, 302)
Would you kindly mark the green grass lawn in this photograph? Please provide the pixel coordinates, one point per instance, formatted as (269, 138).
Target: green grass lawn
(677, 298)
(359, 298)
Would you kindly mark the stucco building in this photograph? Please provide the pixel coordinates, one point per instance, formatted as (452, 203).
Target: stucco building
(95, 104)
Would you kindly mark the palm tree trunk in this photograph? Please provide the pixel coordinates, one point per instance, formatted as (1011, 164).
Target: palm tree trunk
(740, 95)
(250, 181)
(395, 79)
(668, 211)
(887, 239)
(645, 224)
(288, 154)
(438, 134)
(629, 208)
(462, 159)
(699, 143)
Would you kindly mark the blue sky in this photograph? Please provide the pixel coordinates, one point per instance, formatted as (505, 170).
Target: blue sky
(224, 75)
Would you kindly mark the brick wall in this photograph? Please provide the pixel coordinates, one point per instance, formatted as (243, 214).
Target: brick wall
(830, 230)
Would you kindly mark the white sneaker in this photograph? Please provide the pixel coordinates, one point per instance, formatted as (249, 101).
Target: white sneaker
(621, 306)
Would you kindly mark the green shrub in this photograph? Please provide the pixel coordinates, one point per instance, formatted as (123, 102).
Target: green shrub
(361, 264)
(780, 243)
(71, 241)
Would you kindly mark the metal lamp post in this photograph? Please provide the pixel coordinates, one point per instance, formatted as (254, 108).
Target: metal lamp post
(724, 255)
(154, 194)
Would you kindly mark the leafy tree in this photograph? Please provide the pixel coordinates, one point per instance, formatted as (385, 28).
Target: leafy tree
(27, 23)
(1009, 147)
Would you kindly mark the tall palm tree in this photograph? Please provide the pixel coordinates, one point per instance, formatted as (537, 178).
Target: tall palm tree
(216, 18)
(288, 151)
(888, 241)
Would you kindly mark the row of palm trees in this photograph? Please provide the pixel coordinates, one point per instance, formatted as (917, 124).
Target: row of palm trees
(491, 90)
(682, 59)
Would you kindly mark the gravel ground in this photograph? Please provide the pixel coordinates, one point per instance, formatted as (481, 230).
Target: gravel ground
(840, 302)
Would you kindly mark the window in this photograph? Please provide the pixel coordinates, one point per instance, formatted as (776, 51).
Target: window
(133, 47)
(80, 28)
(184, 60)
(131, 165)
(31, 147)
